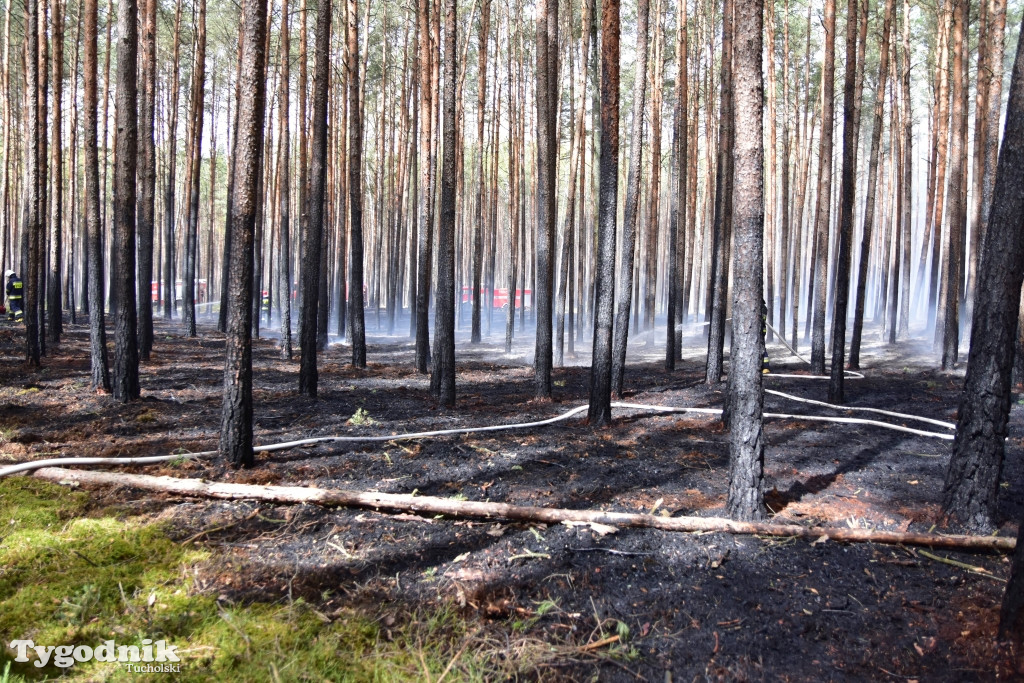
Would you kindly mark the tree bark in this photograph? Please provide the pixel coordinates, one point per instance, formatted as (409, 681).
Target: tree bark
(847, 192)
(624, 288)
(192, 223)
(97, 324)
(478, 228)
(237, 409)
(442, 380)
(872, 187)
(426, 222)
(172, 166)
(600, 411)
(54, 309)
(956, 215)
(718, 281)
(677, 221)
(821, 221)
(355, 188)
(284, 262)
(547, 214)
(972, 479)
(147, 176)
(746, 397)
(313, 230)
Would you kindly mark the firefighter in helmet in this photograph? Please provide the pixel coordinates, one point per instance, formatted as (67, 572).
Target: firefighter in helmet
(14, 291)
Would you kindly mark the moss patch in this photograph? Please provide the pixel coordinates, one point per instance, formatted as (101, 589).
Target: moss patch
(66, 579)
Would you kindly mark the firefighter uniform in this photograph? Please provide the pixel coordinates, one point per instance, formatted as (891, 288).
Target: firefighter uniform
(765, 364)
(15, 292)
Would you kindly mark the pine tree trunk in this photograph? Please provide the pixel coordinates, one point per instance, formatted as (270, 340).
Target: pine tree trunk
(284, 192)
(677, 222)
(821, 218)
(56, 251)
(718, 281)
(355, 188)
(442, 380)
(872, 187)
(126, 350)
(746, 396)
(313, 230)
(956, 215)
(236, 414)
(147, 176)
(172, 165)
(600, 411)
(547, 215)
(196, 116)
(478, 228)
(426, 222)
(975, 467)
(97, 327)
(847, 192)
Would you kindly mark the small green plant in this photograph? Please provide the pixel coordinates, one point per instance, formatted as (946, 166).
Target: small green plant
(361, 417)
(77, 609)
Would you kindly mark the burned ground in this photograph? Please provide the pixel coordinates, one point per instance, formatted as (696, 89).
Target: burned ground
(713, 606)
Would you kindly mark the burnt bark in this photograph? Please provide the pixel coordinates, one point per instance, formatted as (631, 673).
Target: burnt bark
(97, 327)
(237, 409)
(972, 478)
(313, 229)
(956, 216)
(188, 288)
(847, 191)
(600, 412)
(147, 177)
(746, 394)
(624, 290)
(872, 187)
(547, 214)
(677, 218)
(126, 350)
(54, 309)
(355, 188)
(442, 379)
(821, 220)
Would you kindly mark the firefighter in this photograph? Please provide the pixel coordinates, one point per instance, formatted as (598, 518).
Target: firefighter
(265, 305)
(766, 366)
(14, 293)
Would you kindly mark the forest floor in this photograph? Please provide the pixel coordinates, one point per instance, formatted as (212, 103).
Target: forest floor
(554, 602)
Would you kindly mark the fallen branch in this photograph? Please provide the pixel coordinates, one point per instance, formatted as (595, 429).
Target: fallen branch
(469, 508)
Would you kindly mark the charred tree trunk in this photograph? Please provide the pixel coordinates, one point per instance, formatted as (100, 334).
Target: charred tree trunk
(848, 186)
(313, 229)
(97, 328)
(355, 188)
(975, 468)
(821, 220)
(426, 222)
(872, 187)
(746, 398)
(284, 262)
(237, 410)
(624, 289)
(56, 251)
(478, 227)
(172, 166)
(600, 412)
(718, 281)
(126, 350)
(677, 221)
(147, 177)
(956, 215)
(547, 214)
(442, 379)
(192, 222)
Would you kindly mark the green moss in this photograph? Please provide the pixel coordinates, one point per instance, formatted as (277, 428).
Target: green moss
(66, 579)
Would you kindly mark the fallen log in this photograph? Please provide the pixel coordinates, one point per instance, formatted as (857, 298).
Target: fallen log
(487, 510)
